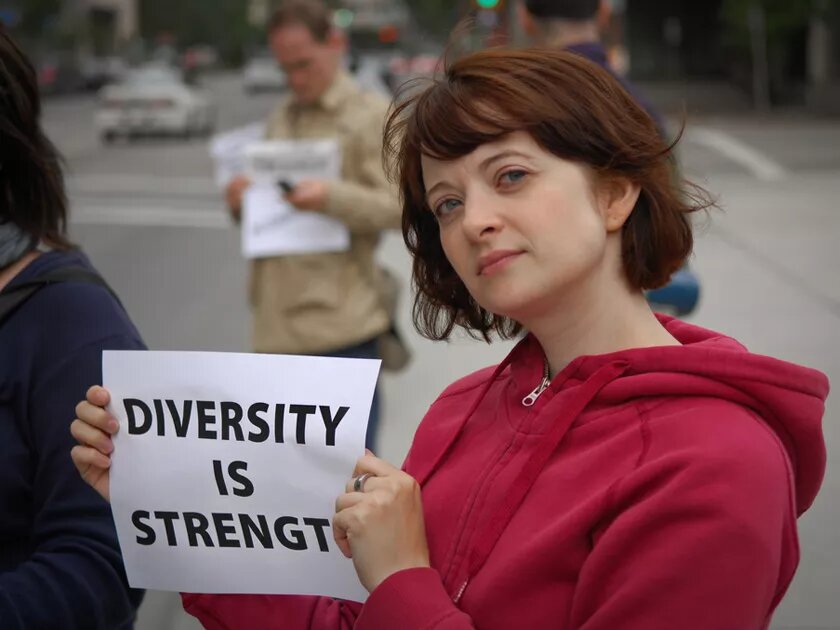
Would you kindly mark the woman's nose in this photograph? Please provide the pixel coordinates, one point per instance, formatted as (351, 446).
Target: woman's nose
(482, 216)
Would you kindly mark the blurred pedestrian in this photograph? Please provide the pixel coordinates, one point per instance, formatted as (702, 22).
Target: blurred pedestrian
(576, 25)
(325, 303)
(618, 469)
(60, 564)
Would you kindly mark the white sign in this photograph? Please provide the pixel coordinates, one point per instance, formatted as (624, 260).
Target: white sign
(227, 466)
(293, 160)
(228, 150)
(271, 226)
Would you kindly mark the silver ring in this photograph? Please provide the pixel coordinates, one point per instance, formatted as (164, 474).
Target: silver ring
(359, 482)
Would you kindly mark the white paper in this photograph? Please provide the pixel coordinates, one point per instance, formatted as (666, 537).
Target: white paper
(228, 150)
(272, 227)
(270, 160)
(156, 472)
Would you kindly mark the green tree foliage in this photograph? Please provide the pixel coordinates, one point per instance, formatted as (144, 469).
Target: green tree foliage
(40, 26)
(437, 17)
(786, 24)
(782, 17)
(35, 15)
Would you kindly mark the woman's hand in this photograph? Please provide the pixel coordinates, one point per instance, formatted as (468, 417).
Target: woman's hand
(381, 527)
(93, 429)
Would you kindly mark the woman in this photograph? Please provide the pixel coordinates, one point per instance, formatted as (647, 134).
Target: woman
(618, 469)
(60, 564)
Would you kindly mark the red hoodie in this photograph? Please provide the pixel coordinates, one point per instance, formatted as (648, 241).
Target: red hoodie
(646, 489)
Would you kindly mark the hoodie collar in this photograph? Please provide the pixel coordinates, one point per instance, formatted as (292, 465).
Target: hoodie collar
(790, 398)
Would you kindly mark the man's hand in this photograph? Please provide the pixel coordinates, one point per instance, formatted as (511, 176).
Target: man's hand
(233, 194)
(310, 194)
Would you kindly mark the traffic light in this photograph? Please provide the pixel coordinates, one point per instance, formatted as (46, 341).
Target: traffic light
(488, 4)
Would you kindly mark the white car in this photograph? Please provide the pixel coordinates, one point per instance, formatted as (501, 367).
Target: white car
(262, 74)
(153, 101)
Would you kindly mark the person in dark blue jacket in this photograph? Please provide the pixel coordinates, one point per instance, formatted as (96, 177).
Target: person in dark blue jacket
(60, 563)
(573, 25)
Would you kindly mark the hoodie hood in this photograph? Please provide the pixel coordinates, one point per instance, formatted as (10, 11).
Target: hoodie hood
(788, 397)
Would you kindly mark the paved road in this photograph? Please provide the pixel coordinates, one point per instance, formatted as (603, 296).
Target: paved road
(151, 220)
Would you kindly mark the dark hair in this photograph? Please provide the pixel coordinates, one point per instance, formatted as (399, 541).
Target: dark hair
(32, 192)
(563, 9)
(312, 14)
(575, 110)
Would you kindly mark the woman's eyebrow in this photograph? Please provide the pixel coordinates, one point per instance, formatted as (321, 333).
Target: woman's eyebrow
(500, 156)
(440, 184)
(485, 163)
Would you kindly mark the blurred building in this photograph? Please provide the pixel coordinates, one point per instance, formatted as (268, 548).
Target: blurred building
(780, 52)
(109, 23)
(97, 27)
(258, 11)
(369, 23)
(374, 15)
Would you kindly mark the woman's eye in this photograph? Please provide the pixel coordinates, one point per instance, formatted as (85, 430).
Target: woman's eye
(446, 207)
(512, 177)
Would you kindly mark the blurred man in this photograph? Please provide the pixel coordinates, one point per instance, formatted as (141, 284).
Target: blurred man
(325, 303)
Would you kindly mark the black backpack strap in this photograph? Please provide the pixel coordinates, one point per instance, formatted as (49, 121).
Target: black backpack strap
(11, 298)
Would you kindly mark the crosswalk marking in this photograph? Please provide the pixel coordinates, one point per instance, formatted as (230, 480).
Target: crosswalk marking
(149, 217)
(759, 164)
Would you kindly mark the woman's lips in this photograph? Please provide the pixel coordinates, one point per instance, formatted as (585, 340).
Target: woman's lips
(496, 260)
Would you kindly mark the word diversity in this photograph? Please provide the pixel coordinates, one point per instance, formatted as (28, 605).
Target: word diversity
(228, 420)
(211, 420)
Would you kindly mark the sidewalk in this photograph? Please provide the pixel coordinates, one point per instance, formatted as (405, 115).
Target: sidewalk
(696, 97)
(718, 97)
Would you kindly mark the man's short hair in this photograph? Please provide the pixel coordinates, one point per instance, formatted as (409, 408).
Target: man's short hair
(577, 10)
(312, 14)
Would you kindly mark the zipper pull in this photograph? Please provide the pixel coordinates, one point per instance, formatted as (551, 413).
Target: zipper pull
(460, 592)
(531, 398)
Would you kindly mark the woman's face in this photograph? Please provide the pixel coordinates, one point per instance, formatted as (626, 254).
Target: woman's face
(523, 229)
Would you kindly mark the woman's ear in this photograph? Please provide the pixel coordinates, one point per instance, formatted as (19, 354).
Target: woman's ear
(617, 198)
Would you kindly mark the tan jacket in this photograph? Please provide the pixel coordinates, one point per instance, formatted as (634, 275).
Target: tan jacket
(315, 303)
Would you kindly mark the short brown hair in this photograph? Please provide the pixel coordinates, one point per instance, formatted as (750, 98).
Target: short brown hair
(313, 14)
(575, 110)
